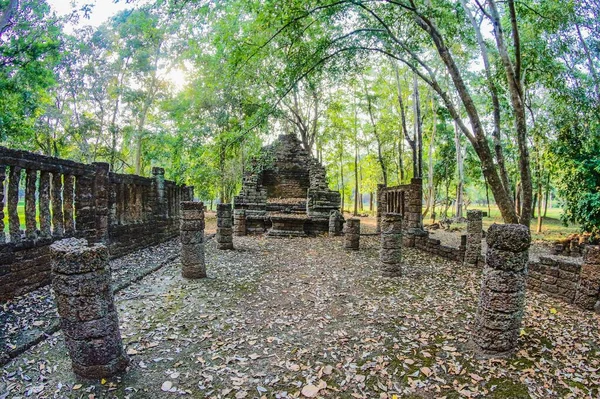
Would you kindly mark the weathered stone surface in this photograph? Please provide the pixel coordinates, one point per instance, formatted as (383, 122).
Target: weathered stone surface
(474, 237)
(239, 225)
(500, 310)
(287, 181)
(284, 225)
(193, 263)
(192, 237)
(86, 308)
(516, 238)
(127, 212)
(390, 253)
(588, 290)
(224, 227)
(503, 281)
(336, 223)
(506, 260)
(352, 234)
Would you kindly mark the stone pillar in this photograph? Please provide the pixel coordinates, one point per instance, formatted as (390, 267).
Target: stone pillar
(101, 186)
(14, 223)
(474, 236)
(30, 222)
(2, 179)
(44, 206)
(192, 239)
(58, 226)
(239, 225)
(159, 185)
(336, 223)
(352, 234)
(588, 290)
(224, 230)
(88, 317)
(381, 205)
(391, 244)
(500, 310)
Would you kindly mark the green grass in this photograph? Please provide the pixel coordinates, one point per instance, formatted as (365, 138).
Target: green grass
(552, 227)
(21, 212)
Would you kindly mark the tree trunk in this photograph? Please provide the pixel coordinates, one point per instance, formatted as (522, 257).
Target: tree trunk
(342, 175)
(539, 208)
(356, 195)
(547, 196)
(478, 138)
(371, 201)
(418, 127)
(405, 134)
(517, 95)
(430, 187)
(518, 208)
(487, 198)
(377, 138)
(461, 176)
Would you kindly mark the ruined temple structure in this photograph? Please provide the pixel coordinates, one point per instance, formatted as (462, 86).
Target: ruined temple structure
(287, 192)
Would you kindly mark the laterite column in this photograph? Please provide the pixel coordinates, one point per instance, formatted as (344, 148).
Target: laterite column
(352, 234)
(88, 317)
(224, 229)
(390, 253)
(474, 236)
(239, 225)
(501, 304)
(191, 230)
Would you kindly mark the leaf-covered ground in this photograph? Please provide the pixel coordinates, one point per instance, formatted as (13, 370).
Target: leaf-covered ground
(303, 318)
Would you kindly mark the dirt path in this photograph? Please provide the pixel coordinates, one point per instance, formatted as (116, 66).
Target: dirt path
(278, 317)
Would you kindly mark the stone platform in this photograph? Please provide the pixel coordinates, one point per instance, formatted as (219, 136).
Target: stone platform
(287, 225)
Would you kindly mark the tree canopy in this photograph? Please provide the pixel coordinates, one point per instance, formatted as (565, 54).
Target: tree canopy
(480, 99)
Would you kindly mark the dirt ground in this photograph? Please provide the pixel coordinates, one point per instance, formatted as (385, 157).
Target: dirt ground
(303, 318)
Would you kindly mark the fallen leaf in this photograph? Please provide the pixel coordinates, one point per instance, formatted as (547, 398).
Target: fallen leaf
(310, 391)
(166, 386)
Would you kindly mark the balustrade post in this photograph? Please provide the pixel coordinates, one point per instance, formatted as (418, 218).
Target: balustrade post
(44, 205)
(14, 224)
(30, 222)
(159, 187)
(68, 204)
(2, 179)
(58, 230)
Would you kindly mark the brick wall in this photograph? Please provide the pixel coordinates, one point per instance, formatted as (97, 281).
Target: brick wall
(69, 199)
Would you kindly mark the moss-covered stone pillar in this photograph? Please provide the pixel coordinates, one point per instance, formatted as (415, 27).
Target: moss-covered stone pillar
(501, 304)
(390, 253)
(224, 229)
(352, 234)
(81, 281)
(192, 240)
(588, 290)
(474, 236)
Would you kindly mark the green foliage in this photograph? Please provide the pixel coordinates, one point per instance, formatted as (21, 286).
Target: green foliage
(29, 52)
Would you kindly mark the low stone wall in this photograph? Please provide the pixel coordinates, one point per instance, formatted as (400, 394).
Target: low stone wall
(125, 212)
(435, 247)
(555, 277)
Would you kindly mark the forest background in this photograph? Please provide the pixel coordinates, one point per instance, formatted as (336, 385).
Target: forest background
(493, 104)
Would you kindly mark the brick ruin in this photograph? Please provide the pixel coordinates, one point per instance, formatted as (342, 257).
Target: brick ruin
(125, 212)
(286, 192)
(88, 316)
(407, 200)
(553, 275)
